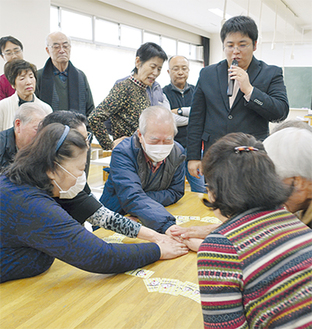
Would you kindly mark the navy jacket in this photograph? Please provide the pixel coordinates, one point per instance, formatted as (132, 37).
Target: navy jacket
(80, 207)
(176, 100)
(7, 147)
(34, 230)
(211, 116)
(126, 190)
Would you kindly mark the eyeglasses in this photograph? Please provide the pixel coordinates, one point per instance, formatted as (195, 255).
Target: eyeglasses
(177, 69)
(240, 47)
(57, 46)
(88, 139)
(11, 53)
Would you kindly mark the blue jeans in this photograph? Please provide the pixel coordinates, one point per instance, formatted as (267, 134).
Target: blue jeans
(197, 184)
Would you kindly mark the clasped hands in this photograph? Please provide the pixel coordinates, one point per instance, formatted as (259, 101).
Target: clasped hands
(191, 236)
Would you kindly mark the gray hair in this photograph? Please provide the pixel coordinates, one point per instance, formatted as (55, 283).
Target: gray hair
(26, 112)
(293, 124)
(154, 113)
(290, 149)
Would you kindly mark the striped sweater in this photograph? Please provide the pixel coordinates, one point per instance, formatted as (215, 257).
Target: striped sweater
(254, 271)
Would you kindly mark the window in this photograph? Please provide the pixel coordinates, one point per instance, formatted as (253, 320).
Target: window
(76, 25)
(106, 32)
(151, 37)
(130, 37)
(184, 49)
(54, 20)
(112, 51)
(169, 46)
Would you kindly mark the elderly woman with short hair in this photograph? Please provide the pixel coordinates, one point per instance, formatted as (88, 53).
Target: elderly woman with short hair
(128, 98)
(254, 271)
(22, 76)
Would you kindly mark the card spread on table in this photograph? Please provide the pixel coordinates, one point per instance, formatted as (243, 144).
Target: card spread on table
(169, 286)
(212, 220)
(182, 219)
(140, 273)
(173, 287)
(190, 290)
(115, 238)
(111, 239)
(152, 284)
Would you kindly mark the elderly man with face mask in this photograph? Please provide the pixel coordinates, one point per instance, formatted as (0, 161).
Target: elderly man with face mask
(147, 171)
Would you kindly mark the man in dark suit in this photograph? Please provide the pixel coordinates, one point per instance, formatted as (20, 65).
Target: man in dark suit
(259, 94)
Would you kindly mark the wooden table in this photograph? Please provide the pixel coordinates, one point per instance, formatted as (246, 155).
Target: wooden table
(65, 297)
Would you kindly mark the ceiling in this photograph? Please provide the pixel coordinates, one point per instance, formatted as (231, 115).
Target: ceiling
(290, 19)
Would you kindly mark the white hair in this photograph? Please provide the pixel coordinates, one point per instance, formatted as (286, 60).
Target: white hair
(154, 113)
(27, 111)
(290, 149)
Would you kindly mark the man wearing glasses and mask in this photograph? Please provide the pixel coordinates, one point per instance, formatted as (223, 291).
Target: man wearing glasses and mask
(239, 94)
(147, 171)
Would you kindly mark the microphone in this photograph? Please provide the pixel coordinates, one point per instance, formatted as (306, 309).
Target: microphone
(231, 82)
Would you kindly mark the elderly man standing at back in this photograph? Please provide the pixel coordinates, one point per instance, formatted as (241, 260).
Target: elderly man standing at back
(147, 171)
(25, 126)
(180, 94)
(60, 83)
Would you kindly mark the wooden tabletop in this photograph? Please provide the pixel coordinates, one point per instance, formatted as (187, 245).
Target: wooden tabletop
(65, 297)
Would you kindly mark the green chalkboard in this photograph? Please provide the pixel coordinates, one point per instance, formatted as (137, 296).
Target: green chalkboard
(298, 81)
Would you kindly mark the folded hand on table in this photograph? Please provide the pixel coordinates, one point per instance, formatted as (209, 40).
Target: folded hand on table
(191, 236)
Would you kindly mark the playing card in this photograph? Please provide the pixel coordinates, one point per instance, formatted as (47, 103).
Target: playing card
(188, 289)
(152, 284)
(182, 219)
(168, 286)
(212, 220)
(194, 217)
(118, 236)
(140, 273)
(111, 239)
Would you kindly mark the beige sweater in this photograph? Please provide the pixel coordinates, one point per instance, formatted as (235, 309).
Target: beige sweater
(8, 107)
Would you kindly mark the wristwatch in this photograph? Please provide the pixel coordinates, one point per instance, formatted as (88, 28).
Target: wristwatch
(179, 111)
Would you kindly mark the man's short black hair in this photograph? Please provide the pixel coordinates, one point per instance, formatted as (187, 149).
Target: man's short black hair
(242, 24)
(4, 40)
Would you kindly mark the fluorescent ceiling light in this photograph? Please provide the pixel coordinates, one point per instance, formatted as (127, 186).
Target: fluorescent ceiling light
(219, 13)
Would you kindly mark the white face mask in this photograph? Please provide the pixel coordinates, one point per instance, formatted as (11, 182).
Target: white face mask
(157, 152)
(75, 189)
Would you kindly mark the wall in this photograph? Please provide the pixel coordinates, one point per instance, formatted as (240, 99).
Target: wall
(28, 21)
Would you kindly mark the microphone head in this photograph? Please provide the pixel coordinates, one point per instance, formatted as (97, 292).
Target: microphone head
(235, 62)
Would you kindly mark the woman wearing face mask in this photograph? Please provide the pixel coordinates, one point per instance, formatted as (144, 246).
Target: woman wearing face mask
(35, 229)
(22, 76)
(84, 206)
(128, 98)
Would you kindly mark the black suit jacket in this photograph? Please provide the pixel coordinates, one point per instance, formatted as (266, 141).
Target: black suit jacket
(211, 116)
